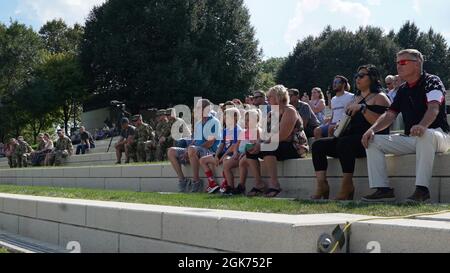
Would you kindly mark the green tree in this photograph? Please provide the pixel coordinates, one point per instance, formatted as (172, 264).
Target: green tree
(59, 38)
(153, 53)
(21, 50)
(267, 74)
(316, 60)
(62, 75)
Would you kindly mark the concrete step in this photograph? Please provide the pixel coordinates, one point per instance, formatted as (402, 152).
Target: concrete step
(112, 227)
(94, 158)
(297, 177)
(401, 236)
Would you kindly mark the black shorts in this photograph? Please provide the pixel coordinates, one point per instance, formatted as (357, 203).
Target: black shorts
(284, 152)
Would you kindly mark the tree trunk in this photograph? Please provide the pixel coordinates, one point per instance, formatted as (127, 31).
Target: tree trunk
(66, 119)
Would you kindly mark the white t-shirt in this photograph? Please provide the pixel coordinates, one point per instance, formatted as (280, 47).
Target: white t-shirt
(339, 105)
(392, 94)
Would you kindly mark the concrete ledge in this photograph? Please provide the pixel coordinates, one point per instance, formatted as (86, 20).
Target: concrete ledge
(297, 177)
(112, 227)
(401, 236)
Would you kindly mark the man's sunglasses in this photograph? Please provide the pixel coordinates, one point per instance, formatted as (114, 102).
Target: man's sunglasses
(257, 97)
(405, 62)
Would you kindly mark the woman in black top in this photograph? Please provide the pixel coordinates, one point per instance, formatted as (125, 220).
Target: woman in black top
(369, 104)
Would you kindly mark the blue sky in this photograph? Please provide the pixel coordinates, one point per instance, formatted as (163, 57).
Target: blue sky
(279, 23)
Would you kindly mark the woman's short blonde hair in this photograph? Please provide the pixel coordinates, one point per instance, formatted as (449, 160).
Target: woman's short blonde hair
(281, 93)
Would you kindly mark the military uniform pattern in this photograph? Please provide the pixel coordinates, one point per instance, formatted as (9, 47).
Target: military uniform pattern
(22, 154)
(163, 132)
(143, 139)
(63, 149)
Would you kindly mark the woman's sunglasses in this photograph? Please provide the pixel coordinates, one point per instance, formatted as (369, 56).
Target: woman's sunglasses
(360, 75)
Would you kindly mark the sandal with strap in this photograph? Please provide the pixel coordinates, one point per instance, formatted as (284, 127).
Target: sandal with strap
(272, 193)
(255, 192)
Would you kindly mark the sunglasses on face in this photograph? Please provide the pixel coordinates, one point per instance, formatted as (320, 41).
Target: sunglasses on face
(257, 97)
(405, 62)
(361, 75)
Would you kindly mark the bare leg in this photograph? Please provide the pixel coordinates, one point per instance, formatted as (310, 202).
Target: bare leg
(243, 171)
(255, 169)
(228, 167)
(206, 162)
(270, 162)
(118, 153)
(194, 160)
(175, 164)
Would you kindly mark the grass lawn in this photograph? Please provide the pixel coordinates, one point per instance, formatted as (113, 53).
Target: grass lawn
(3, 250)
(282, 206)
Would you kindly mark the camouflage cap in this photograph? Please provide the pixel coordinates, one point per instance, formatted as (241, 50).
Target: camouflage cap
(161, 113)
(170, 111)
(136, 118)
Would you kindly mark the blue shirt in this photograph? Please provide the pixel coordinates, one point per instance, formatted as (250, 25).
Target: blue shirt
(205, 130)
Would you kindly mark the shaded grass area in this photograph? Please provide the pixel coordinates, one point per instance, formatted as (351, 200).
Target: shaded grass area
(280, 206)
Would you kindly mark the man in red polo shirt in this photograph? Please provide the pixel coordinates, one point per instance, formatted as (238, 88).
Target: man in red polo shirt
(421, 100)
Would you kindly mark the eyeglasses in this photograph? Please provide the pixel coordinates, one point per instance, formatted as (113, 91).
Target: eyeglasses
(405, 62)
(337, 82)
(257, 97)
(361, 75)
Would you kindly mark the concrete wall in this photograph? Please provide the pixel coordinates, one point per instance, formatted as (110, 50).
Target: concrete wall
(296, 177)
(94, 119)
(109, 227)
(124, 228)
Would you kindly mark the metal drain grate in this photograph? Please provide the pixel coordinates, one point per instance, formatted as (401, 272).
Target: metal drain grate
(28, 245)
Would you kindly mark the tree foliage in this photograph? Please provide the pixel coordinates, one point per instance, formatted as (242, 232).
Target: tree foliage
(153, 53)
(316, 60)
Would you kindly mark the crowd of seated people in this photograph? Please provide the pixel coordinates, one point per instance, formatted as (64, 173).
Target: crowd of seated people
(359, 126)
(283, 124)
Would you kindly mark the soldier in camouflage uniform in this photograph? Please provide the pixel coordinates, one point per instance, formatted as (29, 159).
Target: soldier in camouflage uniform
(151, 117)
(144, 137)
(10, 152)
(62, 150)
(164, 138)
(126, 142)
(23, 152)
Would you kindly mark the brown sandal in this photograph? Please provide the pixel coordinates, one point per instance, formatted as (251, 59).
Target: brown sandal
(255, 192)
(272, 193)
